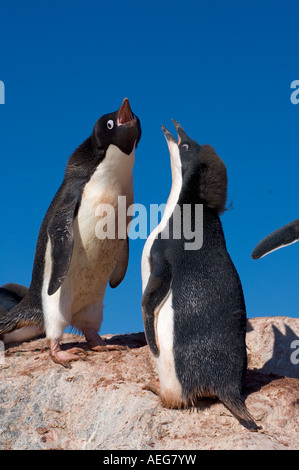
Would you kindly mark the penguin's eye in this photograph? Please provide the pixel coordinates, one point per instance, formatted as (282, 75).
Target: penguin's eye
(185, 147)
(110, 124)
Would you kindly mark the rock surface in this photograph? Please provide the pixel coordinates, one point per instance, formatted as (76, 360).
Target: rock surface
(106, 402)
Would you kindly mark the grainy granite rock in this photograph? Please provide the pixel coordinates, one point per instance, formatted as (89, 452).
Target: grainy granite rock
(105, 402)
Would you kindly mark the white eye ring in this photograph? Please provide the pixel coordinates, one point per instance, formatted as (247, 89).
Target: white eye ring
(110, 124)
(185, 147)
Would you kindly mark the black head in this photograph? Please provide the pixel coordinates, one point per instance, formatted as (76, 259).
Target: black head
(120, 128)
(199, 166)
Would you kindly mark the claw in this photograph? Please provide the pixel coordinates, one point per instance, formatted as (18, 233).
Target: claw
(65, 357)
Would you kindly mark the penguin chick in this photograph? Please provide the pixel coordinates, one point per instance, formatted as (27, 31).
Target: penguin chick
(193, 305)
(283, 236)
(72, 265)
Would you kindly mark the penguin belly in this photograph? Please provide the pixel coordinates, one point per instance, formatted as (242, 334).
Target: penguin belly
(170, 387)
(92, 264)
(79, 300)
(23, 334)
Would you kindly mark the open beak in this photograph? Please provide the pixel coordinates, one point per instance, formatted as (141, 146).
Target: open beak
(180, 131)
(168, 136)
(125, 115)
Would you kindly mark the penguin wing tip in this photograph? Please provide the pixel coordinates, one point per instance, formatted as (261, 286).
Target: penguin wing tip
(53, 287)
(113, 285)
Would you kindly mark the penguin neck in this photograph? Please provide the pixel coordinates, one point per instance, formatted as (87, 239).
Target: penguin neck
(190, 190)
(177, 182)
(116, 168)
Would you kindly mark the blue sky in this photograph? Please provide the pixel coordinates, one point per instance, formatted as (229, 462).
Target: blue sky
(222, 69)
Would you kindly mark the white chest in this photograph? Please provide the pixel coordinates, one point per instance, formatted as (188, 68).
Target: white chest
(93, 258)
(169, 209)
(112, 178)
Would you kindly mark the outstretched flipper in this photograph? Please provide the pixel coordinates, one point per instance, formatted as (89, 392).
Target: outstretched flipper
(61, 233)
(156, 292)
(281, 237)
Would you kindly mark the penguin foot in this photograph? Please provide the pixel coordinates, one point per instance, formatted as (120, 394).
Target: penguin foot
(96, 343)
(64, 357)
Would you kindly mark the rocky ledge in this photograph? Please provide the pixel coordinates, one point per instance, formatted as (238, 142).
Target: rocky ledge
(106, 401)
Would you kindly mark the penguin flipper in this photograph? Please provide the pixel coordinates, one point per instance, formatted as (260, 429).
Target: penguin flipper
(61, 234)
(155, 294)
(121, 267)
(283, 236)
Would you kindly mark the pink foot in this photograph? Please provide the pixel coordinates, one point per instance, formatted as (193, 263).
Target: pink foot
(64, 357)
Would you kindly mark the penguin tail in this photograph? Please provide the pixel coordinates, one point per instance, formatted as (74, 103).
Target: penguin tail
(19, 320)
(239, 410)
(281, 237)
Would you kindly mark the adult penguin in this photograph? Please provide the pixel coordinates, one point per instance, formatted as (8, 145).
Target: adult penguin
(72, 265)
(193, 306)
